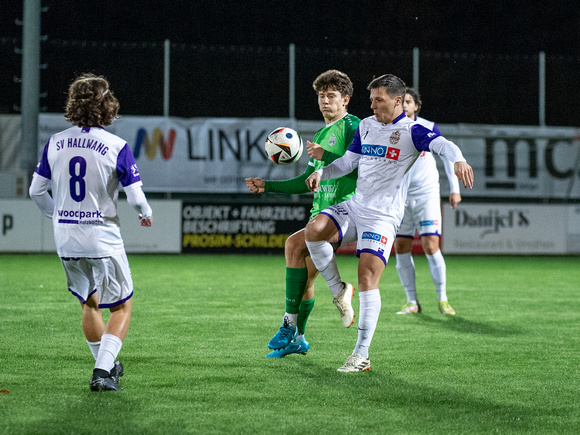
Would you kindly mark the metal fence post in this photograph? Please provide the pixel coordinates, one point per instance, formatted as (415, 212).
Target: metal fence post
(542, 87)
(30, 91)
(166, 72)
(416, 68)
(292, 81)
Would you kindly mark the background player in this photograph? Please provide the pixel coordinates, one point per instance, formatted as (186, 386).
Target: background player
(83, 166)
(384, 147)
(423, 213)
(334, 90)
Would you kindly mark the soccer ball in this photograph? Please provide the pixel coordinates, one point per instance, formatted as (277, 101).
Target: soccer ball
(284, 146)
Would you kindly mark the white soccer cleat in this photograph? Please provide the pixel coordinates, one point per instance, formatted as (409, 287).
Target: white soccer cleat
(355, 363)
(343, 302)
(410, 308)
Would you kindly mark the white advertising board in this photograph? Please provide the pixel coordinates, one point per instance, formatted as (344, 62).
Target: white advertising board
(26, 229)
(506, 229)
(519, 161)
(215, 155)
(201, 155)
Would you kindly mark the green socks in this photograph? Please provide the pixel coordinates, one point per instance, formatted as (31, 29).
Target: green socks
(305, 310)
(296, 280)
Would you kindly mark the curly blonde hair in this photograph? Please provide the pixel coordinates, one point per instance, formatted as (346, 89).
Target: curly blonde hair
(90, 102)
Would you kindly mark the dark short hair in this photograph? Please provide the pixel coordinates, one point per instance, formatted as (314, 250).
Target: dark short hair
(394, 85)
(416, 97)
(90, 102)
(335, 80)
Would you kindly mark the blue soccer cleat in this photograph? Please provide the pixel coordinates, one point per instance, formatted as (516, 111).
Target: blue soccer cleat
(283, 337)
(300, 347)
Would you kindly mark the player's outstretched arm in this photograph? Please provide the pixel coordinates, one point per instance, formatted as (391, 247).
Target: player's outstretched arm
(465, 173)
(256, 185)
(313, 181)
(38, 191)
(146, 222)
(136, 198)
(454, 200)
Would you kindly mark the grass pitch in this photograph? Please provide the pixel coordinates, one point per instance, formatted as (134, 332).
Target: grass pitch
(194, 356)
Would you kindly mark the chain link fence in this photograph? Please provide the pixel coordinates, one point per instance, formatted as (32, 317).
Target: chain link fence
(252, 81)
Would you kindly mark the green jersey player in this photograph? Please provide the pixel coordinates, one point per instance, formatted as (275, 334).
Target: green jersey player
(334, 90)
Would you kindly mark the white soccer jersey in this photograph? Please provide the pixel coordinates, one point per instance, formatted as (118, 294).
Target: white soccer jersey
(383, 154)
(424, 174)
(86, 166)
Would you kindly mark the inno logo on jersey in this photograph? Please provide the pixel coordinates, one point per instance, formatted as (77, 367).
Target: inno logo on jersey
(157, 141)
(374, 236)
(373, 150)
(380, 151)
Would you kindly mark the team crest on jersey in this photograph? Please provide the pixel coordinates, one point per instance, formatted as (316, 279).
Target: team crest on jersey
(395, 137)
(332, 140)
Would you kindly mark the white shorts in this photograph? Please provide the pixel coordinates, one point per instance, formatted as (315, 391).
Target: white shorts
(110, 277)
(373, 235)
(422, 213)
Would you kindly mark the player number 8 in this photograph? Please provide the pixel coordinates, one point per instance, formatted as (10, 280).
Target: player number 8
(77, 180)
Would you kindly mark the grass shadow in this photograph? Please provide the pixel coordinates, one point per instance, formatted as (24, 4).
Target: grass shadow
(461, 324)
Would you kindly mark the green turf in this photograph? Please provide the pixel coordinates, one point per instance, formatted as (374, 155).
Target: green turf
(194, 356)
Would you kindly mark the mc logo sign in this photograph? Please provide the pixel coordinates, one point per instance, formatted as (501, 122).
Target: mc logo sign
(530, 150)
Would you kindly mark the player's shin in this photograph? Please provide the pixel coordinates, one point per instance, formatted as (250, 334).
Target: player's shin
(406, 271)
(370, 307)
(322, 255)
(438, 273)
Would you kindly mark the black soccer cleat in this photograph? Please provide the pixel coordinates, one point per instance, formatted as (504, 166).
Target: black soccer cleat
(99, 383)
(117, 371)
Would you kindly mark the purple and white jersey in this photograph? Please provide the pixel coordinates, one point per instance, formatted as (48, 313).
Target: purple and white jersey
(383, 154)
(85, 166)
(424, 174)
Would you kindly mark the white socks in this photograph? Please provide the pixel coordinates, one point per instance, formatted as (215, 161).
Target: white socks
(438, 273)
(109, 349)
(370, 307)
(322, 255)
(406, 270)
(94, 346)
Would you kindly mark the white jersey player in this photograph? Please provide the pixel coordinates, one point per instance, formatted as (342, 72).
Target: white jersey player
(83, 166)
(384, 148)
(423, 214)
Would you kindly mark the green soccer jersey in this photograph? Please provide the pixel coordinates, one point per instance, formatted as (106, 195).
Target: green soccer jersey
(335, 139)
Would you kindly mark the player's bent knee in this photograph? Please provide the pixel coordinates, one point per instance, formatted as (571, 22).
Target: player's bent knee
(370, 269)
(430, 244)
(296, 244)
(126, 307)
(319, 228)
(403, 245)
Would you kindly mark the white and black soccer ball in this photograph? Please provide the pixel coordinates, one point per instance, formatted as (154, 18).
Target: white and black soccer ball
(284, 146)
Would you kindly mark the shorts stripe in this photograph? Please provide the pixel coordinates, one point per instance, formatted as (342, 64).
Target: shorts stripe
(335, 224)
(80, 297)
(371, 251)
(436, 233)
(114, 304)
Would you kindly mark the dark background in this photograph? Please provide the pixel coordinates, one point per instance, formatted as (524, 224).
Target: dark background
(478, 59)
